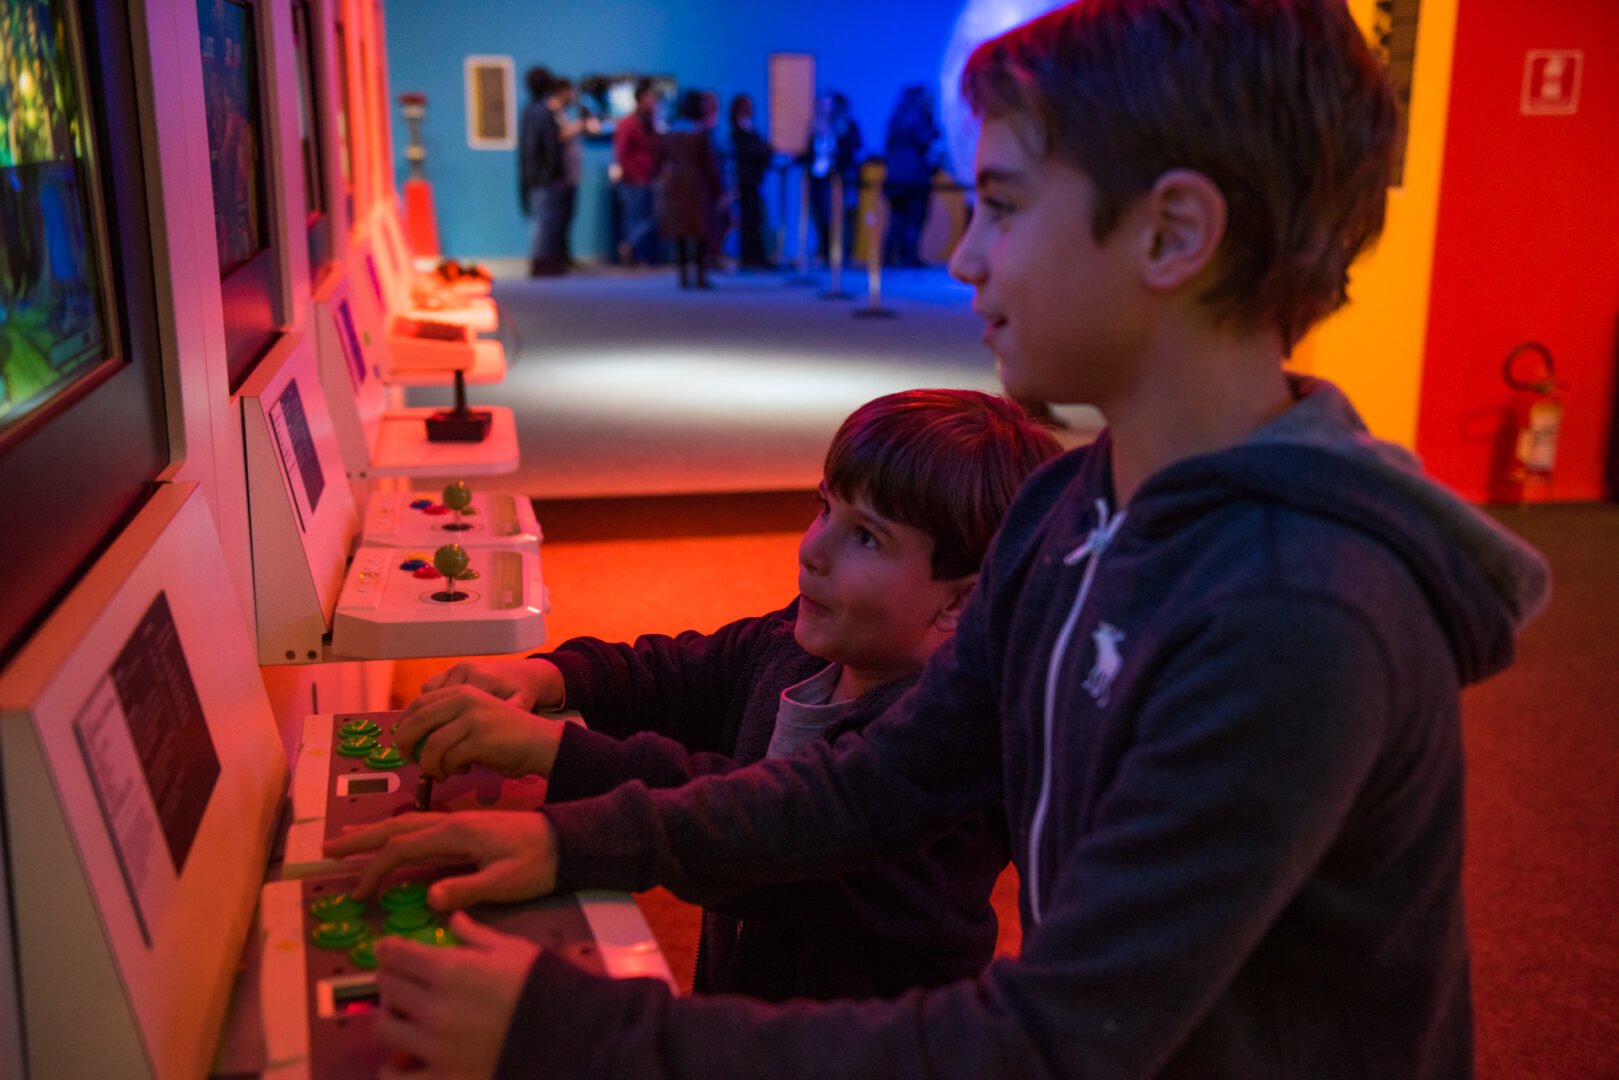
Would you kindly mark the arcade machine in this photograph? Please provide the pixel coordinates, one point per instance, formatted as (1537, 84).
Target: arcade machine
(380, 438)
(142, 767)
(314, 601)
(137, 745)
(369, 345)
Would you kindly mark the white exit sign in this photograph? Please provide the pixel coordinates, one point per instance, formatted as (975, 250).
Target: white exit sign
(1551, 81)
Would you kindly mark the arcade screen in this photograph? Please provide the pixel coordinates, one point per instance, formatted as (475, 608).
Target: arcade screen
(53, 311)
(345, 161)
(231, 91)
(308, 114)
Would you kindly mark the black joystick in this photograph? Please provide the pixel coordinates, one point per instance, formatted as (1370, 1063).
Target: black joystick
(459, 424)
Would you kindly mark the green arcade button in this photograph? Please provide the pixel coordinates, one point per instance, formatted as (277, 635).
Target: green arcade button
(407, 894)
(404, 920)
(434, 935)
(364, 956)
(357, 746)
(338, 907)
(343, 934)
(359, 726)
(387, 757)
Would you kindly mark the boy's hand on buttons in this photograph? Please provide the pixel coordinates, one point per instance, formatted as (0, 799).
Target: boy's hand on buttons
(514, 851)
(448, 730)
(445, 1011)
(526, 684)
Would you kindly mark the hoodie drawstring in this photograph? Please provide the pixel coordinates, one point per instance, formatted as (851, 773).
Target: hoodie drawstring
(1096, 542)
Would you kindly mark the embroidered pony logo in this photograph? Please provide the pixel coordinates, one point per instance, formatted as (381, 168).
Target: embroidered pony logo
(1099, 683)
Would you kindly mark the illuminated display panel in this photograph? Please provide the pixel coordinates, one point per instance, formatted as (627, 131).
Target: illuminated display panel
(83, 421)
(317, 221)
(235, 150)
(53, 255)
(345, 118)
(238, 165)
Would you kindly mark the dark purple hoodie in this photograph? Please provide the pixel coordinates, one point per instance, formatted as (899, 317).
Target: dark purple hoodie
(1224, 727)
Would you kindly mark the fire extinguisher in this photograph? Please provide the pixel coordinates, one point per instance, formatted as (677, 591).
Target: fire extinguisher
(1528, 368)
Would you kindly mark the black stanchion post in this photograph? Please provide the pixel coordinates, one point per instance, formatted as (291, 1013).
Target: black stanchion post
(781, 211)
(801, 275)
(877, 222)
(834, 252)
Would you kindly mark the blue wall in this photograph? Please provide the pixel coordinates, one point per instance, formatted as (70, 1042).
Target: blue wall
(869, 49)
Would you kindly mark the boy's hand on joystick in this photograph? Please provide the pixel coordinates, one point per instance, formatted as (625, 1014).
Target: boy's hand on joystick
(450, 729)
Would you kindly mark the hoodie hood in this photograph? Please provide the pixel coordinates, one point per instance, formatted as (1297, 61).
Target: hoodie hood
(1483, 583)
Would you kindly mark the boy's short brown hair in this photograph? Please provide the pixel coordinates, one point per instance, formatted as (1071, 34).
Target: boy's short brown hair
(1279, 102)
(946, 462)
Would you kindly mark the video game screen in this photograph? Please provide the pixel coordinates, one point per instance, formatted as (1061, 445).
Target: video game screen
(308, 113)
(53, 313)
(612, 97)
(231, 90)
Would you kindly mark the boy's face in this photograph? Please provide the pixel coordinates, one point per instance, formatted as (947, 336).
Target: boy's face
(1064, 318)
(867, 595)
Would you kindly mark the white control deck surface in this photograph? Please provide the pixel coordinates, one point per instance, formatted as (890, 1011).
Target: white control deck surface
(387, 611)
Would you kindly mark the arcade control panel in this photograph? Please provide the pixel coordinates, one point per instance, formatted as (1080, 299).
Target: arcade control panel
(317, 982)
(414, 520)
(453, 601)
(349, 772)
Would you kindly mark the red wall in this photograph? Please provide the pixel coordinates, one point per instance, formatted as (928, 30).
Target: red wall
(1527, 247)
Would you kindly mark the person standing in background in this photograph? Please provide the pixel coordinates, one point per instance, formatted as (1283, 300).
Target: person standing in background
(638, 157)
(834, 148)
(908, 186)
(564, 100)
(541, 186)
(690, 187)
(719, 211)
(753, 156)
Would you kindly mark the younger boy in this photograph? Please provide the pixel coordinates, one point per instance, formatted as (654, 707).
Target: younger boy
(914, 486)
(1211, 672)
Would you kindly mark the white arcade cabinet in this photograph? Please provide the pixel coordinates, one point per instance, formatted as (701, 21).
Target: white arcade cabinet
(142, 772)
(313, 602)
(377, 439)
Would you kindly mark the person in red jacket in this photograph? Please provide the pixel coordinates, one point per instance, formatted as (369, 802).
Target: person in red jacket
(638, 155)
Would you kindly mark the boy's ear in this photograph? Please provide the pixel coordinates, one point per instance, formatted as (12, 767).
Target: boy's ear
(1186, 220)
(950, 614)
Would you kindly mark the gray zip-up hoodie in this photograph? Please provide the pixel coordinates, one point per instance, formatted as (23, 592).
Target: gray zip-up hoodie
(1223, 725)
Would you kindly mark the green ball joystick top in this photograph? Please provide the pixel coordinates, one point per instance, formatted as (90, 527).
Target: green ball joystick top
(457, 496)
(451, 561)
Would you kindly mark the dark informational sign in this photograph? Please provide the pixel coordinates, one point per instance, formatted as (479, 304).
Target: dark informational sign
(349, 340)
(150, 759)
(299, 461)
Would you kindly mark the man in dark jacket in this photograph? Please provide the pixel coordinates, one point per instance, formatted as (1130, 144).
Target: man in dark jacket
(542, 178)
